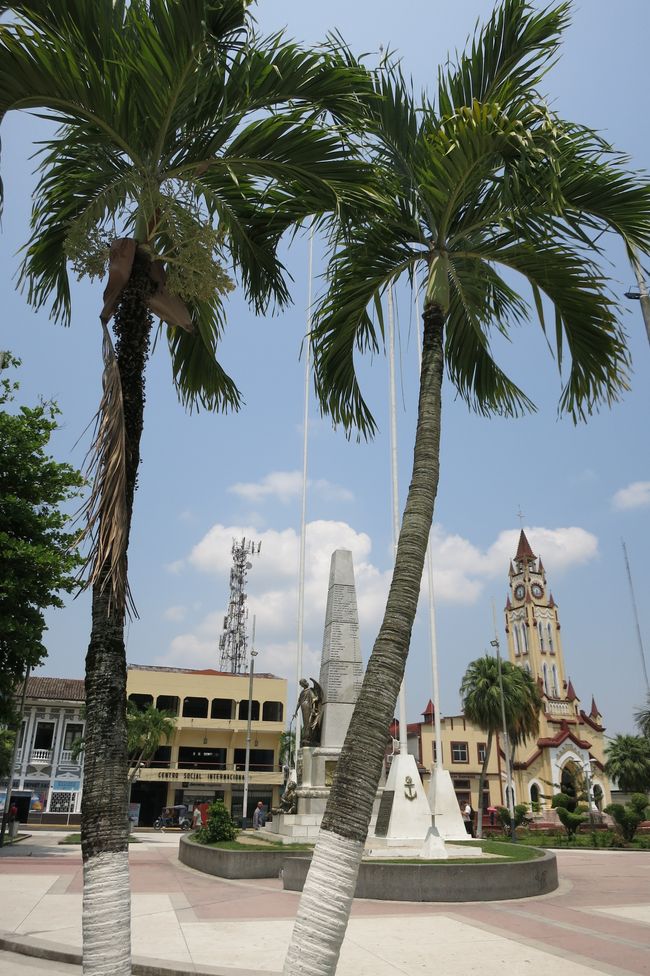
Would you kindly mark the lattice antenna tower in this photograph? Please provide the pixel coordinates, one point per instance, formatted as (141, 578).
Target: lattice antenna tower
(233, 643)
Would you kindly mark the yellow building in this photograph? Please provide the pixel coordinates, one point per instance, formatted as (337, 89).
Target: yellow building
(570, 744)
(205, 758)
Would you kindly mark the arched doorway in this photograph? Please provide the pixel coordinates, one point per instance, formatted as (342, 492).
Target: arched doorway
(534, 797)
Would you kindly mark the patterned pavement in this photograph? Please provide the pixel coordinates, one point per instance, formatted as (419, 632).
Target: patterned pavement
(598, 921)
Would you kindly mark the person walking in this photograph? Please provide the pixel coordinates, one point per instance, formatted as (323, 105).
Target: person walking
(13, 821)
(468, 817)
(197, 818)
(259, 816)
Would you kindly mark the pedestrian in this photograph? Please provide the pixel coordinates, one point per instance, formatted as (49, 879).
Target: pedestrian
(197, 818)
(13, 821)
(468, 817)
(259, 816)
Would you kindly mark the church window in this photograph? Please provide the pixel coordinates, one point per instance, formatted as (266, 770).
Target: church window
(545, 676)
(540, 634)
(554, 681)
(515, 631)
(534, 793)
(524, 634)
(550, 639)
(527, 667)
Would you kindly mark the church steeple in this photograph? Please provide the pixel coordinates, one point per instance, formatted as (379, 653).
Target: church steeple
(532, 623)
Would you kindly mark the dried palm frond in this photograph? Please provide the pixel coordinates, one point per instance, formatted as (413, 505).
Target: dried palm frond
(105, 512)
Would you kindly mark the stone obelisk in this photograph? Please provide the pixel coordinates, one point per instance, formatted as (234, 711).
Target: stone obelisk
(341, 669)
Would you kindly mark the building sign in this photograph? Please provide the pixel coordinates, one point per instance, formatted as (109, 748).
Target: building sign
(67, 784)
(192, 777)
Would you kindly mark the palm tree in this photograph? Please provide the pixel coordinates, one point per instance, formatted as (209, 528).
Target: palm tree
(642, 717)
(481, 697)
(186, 143)
(628, 762)
(484, 183)
(146, 728)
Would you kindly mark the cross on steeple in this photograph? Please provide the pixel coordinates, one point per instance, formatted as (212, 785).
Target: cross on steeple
(520, 516)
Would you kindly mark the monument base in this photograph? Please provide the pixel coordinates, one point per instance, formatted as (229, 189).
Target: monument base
(404, 826)
(444, 805)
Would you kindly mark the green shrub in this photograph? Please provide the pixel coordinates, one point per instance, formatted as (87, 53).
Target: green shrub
(219, 826)
(570, 820)
(561, 800)
(628, 817)
(521, 816)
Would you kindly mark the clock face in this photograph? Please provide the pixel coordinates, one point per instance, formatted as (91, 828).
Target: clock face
(537, 591)
(519, 592)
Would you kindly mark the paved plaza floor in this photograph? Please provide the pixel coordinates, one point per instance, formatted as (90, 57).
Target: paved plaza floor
(597, 921)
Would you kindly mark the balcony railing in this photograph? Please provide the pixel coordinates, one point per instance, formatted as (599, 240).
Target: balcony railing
(559, 708)
(41, 756)
(67, 757)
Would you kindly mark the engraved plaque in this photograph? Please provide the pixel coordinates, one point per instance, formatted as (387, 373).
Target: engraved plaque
(385, 809)
(330, 768)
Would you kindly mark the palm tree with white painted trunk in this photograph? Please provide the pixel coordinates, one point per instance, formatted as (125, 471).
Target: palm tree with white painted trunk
(487, 185)
(186, 147)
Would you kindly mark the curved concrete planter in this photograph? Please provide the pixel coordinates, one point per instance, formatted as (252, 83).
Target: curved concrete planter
(487, 881)
(255, 863)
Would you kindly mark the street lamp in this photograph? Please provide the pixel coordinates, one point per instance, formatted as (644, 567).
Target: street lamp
(587, 771)
(640, 293)
(506, 741)
(244, 821)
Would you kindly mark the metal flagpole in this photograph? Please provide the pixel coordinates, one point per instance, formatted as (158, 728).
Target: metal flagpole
(403, 741)
(636, 617)
(303, 521)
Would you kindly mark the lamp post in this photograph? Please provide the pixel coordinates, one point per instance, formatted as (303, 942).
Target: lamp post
(506, 741)
(244, 821)
(587, 771)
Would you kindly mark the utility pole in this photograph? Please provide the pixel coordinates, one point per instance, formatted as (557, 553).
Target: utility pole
(244, 822)
(506, 740)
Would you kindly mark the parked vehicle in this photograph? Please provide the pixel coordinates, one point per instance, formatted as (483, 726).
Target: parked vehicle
(176, 816)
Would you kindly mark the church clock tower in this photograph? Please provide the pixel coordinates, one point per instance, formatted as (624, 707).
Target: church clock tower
(533, 626)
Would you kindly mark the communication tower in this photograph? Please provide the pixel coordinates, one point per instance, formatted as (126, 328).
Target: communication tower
(233, 641)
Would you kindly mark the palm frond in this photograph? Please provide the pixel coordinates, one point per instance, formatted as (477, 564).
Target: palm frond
(509, 55)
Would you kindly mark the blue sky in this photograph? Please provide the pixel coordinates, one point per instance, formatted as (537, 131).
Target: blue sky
(206, 478)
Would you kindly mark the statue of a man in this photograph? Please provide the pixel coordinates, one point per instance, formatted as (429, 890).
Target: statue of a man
(310, 703)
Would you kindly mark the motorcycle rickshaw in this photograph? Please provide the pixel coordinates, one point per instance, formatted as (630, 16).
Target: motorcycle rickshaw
(176, 816)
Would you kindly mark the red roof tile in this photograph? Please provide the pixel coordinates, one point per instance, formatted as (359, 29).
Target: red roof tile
(524, 552)
(56, 689)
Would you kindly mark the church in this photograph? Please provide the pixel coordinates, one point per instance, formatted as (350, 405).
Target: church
(570, 745)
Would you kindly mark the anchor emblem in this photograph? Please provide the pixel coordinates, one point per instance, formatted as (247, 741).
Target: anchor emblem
(409, 789)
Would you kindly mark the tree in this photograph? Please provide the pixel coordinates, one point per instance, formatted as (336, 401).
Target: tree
(481, 698)
(37, 556)
(146, 729)
(629, 816)
(642, 718)
(570, 813)
(628, 762)
(484, 182)
(185, 143)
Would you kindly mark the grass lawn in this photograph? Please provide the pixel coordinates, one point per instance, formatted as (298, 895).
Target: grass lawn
(591, 840)
(255, 845)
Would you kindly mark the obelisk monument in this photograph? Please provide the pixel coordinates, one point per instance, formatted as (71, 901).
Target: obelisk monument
(341, 669)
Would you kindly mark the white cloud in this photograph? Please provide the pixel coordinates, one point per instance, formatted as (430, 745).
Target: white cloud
(175, 613)
(286, 486)
(636, 495)
(461, 571)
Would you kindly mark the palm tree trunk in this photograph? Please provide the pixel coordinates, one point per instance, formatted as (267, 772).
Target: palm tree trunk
(481, 781)
(327, 896)
(106, 917)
